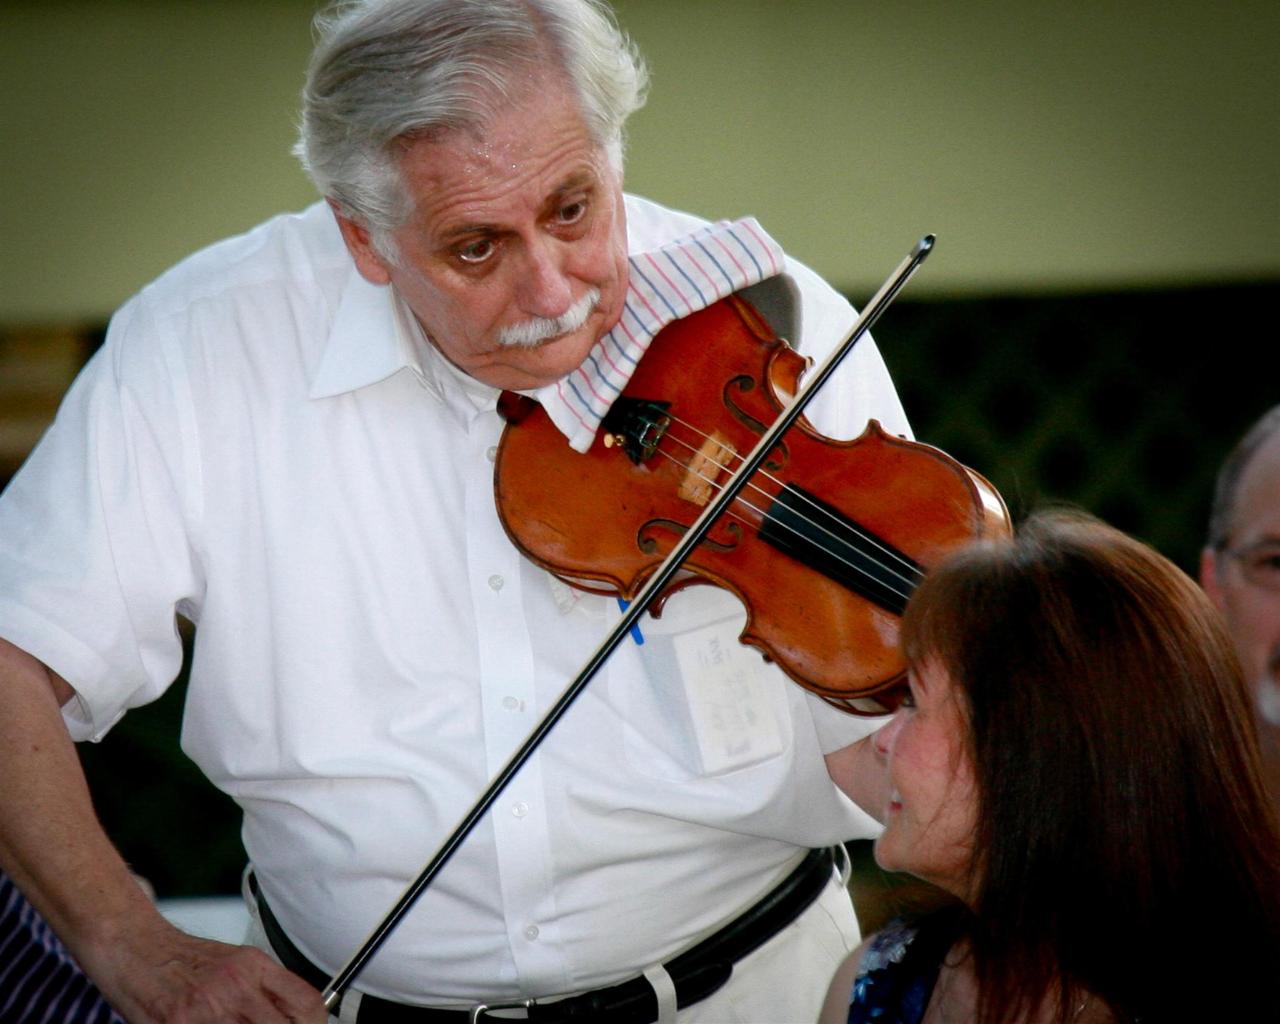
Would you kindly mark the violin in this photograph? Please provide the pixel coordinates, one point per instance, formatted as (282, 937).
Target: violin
(823, 546)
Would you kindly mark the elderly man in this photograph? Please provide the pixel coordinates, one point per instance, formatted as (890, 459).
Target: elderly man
(1240, 571)
(288, 439)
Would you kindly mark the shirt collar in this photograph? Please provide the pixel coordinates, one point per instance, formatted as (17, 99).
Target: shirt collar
(375, 335)
(368, 340)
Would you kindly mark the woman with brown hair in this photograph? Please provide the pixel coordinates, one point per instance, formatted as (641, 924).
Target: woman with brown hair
(1076, 764)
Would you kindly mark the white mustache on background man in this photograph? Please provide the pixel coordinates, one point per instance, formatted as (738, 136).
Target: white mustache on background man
(539, 329)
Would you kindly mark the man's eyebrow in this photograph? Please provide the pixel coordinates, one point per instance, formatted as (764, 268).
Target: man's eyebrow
(577, 181)
(466, 231)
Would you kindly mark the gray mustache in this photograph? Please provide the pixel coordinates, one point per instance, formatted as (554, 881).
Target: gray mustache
(539, 329)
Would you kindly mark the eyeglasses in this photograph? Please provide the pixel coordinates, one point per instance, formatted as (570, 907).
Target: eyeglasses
(1259, 563)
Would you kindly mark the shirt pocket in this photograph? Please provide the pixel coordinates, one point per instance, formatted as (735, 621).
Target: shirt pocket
(695, 702)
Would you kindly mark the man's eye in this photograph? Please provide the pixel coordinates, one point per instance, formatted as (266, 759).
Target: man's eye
(476, 252)
(1265, 562)
(572, 212)
(1260, 564)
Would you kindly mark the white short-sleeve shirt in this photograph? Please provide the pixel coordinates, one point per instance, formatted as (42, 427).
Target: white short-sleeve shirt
(267, 445)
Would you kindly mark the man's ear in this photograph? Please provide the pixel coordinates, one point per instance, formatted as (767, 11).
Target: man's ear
(1209, 577)
(373, 268)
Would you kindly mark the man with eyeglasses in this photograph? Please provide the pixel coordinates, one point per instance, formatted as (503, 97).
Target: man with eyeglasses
(1240, 571)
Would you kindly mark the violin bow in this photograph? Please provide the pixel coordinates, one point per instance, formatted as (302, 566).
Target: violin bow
(653, 586)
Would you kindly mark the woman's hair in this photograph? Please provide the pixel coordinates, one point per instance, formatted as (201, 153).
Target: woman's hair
(1124, 845)
(384, 71)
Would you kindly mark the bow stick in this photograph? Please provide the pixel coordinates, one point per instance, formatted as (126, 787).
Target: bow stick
(660, 578)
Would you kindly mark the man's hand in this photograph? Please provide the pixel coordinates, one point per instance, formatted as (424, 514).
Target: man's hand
(168, 977)
(54, 849)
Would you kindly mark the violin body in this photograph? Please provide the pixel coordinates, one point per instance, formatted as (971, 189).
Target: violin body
(822, 547)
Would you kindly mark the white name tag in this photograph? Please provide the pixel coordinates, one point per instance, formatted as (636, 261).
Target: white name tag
(729, 699)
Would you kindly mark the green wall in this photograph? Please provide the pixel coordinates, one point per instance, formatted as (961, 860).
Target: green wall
(1050, 146)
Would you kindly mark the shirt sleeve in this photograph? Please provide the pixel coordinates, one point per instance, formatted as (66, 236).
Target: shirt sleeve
(95, 551)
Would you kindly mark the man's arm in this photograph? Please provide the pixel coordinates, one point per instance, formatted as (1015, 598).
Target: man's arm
(861, 770)
(55, 850)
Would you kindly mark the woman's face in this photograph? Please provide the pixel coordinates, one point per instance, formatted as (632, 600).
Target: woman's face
(932, 808)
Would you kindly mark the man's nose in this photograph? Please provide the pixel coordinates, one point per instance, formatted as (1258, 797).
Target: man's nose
(545, 287)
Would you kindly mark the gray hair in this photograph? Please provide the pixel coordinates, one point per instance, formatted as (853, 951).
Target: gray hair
(384, 71)
(1222, 511)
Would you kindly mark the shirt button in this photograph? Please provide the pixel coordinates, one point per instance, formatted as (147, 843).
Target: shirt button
(492, 454)
(520, 808)
(496, 581)
(531, 932)
(510, 703)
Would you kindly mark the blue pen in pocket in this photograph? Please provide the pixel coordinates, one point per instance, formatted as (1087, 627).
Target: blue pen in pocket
(636, 635)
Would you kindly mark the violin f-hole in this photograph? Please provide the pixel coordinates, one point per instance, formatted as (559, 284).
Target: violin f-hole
(649, 544)
(779, 456)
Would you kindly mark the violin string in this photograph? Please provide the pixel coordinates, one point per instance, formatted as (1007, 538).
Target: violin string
(710, 482)
(831, 552)
(907, 572)
(910, 573)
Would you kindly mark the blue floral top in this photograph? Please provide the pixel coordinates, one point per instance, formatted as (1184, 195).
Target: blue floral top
(898, 972)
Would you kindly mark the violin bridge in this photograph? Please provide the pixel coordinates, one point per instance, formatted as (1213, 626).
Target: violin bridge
(708, 464)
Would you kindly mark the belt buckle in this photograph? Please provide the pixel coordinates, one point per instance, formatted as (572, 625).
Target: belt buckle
(481, 1010)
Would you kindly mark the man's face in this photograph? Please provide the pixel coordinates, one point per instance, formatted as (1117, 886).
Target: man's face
(514, 227)
(1244, 580)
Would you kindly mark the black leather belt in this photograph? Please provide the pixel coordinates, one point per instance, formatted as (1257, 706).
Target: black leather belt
(696, 973)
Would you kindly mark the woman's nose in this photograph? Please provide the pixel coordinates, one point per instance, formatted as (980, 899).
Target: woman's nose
(882, 739)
